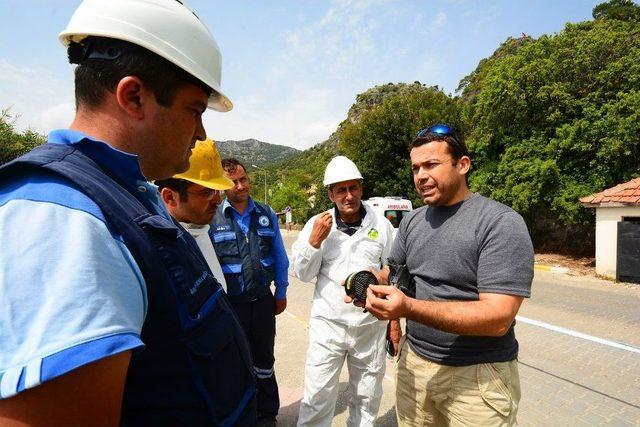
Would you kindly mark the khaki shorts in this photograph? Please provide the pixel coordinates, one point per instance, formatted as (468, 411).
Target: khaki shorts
(430, 394)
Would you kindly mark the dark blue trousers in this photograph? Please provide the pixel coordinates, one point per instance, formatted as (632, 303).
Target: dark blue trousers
(259, 322)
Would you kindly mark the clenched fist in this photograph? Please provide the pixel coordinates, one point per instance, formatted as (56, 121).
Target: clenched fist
(321, 229)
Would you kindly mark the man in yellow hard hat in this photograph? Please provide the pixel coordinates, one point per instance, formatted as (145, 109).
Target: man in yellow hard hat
(192, 198)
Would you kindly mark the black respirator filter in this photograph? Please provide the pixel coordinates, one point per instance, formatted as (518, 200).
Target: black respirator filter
(400, 278)
(356, 284)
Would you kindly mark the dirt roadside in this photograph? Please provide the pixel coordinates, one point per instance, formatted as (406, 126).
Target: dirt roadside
(578, 266)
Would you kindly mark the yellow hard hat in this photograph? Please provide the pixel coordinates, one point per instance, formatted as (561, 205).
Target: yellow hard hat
(205, 167)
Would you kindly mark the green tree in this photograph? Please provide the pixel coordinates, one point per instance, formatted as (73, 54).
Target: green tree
(12, 143)
(623, 10)
(379, 142)
(299, 182)
(301, 175)
(554, 119)
(292, 194)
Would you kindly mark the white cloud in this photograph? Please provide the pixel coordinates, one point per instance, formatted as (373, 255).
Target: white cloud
(297, 98)
(342, 37)
(304, 117)
(58, 116)
(440, 20)
(40, 100)
(319, 70)
(300, 117)
(490, 13)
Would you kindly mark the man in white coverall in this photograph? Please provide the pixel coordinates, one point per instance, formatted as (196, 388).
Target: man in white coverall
(193, 197)
(348, 238)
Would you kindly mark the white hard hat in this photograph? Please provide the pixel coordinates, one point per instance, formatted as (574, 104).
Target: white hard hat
(167, 28)
(340, 169)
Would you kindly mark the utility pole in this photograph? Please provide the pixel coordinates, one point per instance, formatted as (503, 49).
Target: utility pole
(265, 182)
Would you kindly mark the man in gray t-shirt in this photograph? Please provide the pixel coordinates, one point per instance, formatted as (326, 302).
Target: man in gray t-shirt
(472, 262)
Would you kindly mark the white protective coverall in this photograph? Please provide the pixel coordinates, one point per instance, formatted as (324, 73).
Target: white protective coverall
(338, 330)
(201, 234)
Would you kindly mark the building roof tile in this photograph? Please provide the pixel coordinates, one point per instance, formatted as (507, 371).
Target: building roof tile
(627, 193)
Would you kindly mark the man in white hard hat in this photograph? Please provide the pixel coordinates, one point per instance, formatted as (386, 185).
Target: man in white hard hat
(110, 314)
(193, 197)
(348, 238)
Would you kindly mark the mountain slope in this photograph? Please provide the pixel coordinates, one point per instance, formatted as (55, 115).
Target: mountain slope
(296, 181)
(254, 152)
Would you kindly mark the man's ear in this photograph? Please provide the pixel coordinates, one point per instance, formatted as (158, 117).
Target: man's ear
(132, 96)
(330, 194)
(169, 197)
(464, 165)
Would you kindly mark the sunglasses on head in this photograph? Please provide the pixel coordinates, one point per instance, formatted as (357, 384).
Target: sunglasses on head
(439, 129)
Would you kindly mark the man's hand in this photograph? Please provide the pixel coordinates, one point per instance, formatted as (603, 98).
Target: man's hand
(386, 302)
(382, 276)
(348, 300)
(281, 305)
(394, 333)
(321, 229)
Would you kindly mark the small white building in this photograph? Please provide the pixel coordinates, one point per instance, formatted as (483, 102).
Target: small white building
(617, 230)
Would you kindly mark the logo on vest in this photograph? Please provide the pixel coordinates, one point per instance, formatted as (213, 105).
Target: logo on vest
(199, 281)
(373, 234)
(263, 221)
(223, 228)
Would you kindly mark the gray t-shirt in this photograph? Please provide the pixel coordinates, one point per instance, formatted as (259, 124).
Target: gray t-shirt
(456, 252)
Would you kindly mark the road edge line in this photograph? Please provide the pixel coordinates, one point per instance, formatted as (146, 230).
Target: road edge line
(577, 334)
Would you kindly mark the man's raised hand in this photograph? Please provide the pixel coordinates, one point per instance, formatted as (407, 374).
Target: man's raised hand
(321, 229)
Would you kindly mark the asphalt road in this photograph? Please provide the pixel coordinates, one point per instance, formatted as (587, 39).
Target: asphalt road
(567, 378)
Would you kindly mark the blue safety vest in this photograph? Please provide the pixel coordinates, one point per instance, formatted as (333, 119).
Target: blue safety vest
(196, 368)
(246, 260)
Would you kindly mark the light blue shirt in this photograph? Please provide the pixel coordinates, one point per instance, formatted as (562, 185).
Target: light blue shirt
(70, 291)
(279, 254)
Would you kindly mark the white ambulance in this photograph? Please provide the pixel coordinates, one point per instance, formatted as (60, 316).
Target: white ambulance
(393, 208)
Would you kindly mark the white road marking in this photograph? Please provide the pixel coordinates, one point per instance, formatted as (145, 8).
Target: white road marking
(533, 322)
(577, 334)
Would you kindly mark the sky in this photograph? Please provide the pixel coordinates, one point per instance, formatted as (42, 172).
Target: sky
(292, 68)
